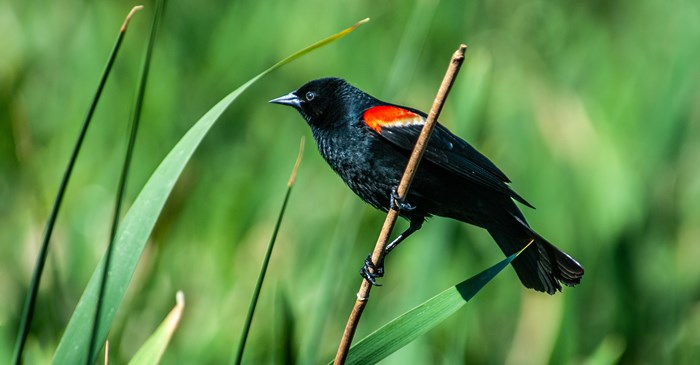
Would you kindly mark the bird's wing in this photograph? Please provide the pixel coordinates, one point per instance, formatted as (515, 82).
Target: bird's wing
(401, 126)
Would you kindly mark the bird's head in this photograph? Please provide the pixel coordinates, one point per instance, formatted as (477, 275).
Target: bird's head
(324, 102)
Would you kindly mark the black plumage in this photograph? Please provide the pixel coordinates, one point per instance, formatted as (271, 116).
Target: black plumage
(368, 142)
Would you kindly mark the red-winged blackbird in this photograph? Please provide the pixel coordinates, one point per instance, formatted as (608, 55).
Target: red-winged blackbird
(368, 142)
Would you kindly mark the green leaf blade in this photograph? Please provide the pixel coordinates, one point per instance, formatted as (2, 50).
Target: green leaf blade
(138, 224)
(407, 327)
(33, 291)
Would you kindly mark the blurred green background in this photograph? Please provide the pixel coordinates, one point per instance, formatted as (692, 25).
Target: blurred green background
(591, 108)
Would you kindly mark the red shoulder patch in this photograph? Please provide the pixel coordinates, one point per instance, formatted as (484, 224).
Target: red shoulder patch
(382, 116)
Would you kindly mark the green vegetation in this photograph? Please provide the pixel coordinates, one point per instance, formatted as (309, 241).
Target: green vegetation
(591, 108)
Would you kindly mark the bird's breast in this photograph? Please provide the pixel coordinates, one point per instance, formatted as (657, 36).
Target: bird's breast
(369, 167)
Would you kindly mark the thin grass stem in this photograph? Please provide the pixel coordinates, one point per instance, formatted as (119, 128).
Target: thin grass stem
(266, 261)
(121, 188)
(30, 300)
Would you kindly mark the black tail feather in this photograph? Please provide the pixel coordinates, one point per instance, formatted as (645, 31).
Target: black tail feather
(543, 267)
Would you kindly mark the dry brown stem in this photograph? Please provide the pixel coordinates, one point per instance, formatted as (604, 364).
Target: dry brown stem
(128, 17)
(393, 214)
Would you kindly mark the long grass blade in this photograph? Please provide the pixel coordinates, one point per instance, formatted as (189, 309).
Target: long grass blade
(407, 327)
(139, 221)
(135, 119)
(263, 270)
(30, 301)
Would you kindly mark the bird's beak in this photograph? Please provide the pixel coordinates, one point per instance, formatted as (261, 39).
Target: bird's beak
(290, 99)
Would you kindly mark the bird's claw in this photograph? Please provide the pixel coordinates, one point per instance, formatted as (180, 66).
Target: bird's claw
(370, 271)
(399, 204)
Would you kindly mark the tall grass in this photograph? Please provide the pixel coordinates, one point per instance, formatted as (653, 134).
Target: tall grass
(589, 107)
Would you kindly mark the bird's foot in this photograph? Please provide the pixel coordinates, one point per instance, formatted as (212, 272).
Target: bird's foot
(370, 271)
(399, 204)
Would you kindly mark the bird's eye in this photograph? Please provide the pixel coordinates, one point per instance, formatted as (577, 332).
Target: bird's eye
(310, 96)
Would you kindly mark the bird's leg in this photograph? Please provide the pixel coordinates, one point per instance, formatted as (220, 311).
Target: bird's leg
(415, 225)
(397, 203)
(370, 270)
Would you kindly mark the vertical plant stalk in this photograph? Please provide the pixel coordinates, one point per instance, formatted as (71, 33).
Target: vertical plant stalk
(263, 270)
(30, 300)
(121, 188)
(402, 191)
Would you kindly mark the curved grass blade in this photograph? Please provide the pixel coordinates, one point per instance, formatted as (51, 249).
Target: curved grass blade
(263, 270)
(419, 320)
(136, 117)
(30, 301)
(154, 348)
(140, 220)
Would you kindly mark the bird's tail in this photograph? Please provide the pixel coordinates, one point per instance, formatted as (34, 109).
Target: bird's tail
(542, 266)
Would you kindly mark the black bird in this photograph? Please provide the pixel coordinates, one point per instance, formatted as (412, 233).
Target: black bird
(368, 142)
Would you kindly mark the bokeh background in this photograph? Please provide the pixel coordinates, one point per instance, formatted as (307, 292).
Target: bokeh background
(592, 108)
